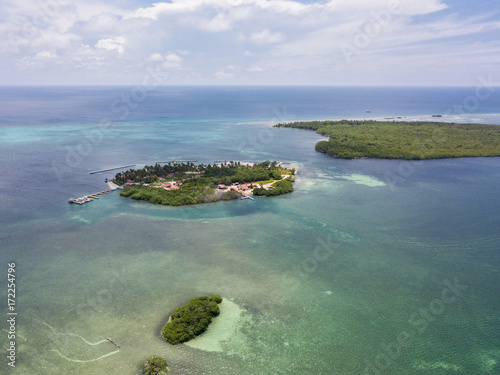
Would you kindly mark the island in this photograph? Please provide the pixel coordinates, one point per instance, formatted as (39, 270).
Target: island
(192, 319)
(412, 140)
(178, 184)
(155, 365)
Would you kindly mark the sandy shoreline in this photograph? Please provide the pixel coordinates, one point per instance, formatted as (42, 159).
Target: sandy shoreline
(112, 185)
(222, 328)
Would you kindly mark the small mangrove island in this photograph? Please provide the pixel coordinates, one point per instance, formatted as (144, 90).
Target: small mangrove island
(155, 365)
(178, 184)
(412, 140)
(192, 319)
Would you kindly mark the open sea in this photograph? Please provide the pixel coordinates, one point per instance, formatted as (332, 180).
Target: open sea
(368, 267)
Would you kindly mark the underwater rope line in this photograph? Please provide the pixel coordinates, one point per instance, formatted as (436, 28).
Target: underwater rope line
(84, 361)
(84, 340)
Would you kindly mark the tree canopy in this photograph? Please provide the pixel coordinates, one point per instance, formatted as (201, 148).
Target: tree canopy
(415, 140)
(191, 319)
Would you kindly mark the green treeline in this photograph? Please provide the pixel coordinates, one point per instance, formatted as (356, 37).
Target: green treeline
(185, 195)
(280, 187)
(192, 319)
(403, 140)
(226, 173)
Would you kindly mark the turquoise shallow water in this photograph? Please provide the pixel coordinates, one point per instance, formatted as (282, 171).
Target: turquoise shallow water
(375, 267)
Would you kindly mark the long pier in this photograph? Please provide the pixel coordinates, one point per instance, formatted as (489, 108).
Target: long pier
(91, 197)
(88, 198)
(112, 169)
(176, 161)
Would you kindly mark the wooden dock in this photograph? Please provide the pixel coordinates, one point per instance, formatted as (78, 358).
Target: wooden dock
(88, 198)
(246, 197)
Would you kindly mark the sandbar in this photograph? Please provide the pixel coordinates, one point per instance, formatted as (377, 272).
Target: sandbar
(222, 328)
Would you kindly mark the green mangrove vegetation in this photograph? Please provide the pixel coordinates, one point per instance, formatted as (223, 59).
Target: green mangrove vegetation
(279, 187)
(184, 184)
(349, 139)
(183, 196)
(192, 319)
(155, 365)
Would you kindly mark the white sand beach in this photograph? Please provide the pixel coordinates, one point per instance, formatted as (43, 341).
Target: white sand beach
(222, 328)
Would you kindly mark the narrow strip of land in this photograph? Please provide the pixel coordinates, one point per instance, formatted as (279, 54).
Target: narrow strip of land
(349, 139)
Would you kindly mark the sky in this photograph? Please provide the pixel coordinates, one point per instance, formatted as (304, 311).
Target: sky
(250, 42)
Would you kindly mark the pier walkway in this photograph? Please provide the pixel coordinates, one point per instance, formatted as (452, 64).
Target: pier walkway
(88, 198)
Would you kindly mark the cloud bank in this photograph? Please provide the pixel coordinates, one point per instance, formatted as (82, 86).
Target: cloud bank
(338, 42)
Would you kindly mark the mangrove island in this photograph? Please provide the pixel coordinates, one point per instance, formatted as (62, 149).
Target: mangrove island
(178, 184)
(155, 365)
(192, 319)
(415, 140)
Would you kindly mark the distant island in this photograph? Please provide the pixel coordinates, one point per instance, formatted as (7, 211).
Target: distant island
(417, 140)
(178, 184)
(192, 319)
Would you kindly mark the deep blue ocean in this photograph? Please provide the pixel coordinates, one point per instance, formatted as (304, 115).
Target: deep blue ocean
(368, 267)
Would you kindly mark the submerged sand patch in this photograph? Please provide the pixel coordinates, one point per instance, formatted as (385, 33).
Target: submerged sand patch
(362, 179)
(223, 328)
(424, 365)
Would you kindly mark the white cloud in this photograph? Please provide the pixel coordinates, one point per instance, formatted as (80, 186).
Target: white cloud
(156, 57)
(100, 23)
(402, 7)
(169, 60)
(45, 55)
(216, 23)
(39, 59)
(266, 37)
(176, 7)
(172, 61)
(157, 9)
(223, 75)
(111, 44)
(410, 7)
(284, 6)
